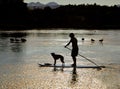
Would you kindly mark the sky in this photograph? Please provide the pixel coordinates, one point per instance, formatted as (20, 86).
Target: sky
(65, 2)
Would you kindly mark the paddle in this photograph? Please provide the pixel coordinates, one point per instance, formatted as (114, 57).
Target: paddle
(88, 60)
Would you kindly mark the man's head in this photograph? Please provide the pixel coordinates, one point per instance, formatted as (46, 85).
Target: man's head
(71, 35)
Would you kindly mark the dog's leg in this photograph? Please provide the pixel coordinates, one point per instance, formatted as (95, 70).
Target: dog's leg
(62, 60)
(54, 62)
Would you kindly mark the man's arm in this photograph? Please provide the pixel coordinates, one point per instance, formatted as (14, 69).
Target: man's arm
(67, 43)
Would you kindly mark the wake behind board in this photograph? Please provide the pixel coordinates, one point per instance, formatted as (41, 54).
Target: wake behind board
(68, 66)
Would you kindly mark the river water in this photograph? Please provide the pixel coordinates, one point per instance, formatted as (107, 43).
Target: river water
(19, 61)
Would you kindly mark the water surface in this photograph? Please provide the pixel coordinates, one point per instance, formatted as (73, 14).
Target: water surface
(19, 61)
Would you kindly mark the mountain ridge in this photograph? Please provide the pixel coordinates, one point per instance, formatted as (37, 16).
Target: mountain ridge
(38, 5)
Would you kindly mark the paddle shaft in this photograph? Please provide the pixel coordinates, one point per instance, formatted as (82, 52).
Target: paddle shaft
(85, 58)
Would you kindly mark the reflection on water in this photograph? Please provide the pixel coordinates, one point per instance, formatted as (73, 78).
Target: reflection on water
(60, 69)
(74, 76)
(19, 60)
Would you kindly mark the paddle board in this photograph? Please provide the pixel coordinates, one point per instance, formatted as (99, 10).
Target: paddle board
(68, 66)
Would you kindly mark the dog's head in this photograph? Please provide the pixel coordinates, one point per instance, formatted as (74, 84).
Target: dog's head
(52, 54)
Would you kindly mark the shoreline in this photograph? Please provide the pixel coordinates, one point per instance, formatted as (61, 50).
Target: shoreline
(28, 27)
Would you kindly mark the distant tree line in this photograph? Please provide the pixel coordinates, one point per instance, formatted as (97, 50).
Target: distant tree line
(13, 14)
(18, 16)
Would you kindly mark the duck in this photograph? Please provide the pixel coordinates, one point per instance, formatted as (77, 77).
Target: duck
(83, 39)
(92, 40)
(12, 39)
(23, 40)
(101, 40)
(17, 40)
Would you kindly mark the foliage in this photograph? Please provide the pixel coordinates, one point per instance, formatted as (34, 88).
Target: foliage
(65, 16)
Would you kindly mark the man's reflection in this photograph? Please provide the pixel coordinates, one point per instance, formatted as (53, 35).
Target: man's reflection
(74, 75)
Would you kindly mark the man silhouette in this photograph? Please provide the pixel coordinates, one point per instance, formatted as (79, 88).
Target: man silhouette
(74, 51)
